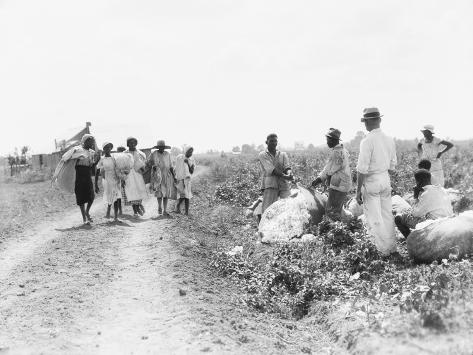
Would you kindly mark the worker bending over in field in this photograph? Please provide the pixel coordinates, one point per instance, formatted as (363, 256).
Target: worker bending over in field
(275, 172)
(432, 148)
(377, 156)
(336, 175)
(431, 202)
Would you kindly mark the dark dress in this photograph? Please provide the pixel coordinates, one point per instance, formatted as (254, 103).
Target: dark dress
(84, 188)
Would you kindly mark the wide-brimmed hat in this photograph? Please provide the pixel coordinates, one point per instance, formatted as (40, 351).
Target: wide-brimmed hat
(428, 127)
(333, 133)
(369, 113)
(162, 143)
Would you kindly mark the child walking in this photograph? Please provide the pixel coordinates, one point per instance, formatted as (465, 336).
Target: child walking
(106, 167)
(185, 166)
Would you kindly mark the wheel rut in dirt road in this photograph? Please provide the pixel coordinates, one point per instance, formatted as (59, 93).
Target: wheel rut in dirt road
(113, 288)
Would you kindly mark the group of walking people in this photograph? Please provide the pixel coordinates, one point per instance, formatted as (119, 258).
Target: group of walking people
(376, 160)
(125, 174)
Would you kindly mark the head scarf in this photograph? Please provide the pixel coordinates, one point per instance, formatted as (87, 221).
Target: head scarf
(131, 138)
(105, 144)
(186, 148)
(85, 137)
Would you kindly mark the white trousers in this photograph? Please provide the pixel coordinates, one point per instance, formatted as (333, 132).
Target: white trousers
(377, 208)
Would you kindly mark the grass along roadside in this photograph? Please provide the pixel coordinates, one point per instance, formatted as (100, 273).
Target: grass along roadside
(339, 281)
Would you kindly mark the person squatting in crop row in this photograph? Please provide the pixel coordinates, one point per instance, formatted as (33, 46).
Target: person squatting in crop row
(133, 188)
(82, 160)
(430, 202)
(106, 167)
(336, 175)
(163, 179)
(275, 172)
(185, 166)
(432, 149)
(376, 158)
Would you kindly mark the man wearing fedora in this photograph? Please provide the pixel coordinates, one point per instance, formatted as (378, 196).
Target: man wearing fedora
(377, 157)
(432, 148)
(336, 175)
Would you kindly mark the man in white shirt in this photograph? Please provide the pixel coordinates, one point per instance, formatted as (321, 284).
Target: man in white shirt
(276, 173)
(431, 202)
(377, 157)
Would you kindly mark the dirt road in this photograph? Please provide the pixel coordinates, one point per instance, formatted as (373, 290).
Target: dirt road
(110, 288)
(140, 287)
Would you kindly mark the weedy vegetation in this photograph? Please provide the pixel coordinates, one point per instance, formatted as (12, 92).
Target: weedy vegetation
(341, 270)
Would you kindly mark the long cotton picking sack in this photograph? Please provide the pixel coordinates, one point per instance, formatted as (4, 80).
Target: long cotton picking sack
(442, 238)
(286, 218)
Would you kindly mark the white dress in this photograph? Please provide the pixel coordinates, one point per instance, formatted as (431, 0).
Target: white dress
(111, 184)
(135, 189)
(183, 176)
(429, 152)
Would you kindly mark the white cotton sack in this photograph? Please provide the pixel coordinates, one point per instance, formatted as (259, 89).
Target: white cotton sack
(442, 238)
(399, 204)
(123, 161)
(354, 208)
(284, 219)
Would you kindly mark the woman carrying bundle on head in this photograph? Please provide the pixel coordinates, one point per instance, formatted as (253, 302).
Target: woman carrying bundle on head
(107, 167)
(74, 174)
(162, 176)
(185, 166)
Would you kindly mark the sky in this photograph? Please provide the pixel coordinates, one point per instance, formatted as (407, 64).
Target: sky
(215, 74)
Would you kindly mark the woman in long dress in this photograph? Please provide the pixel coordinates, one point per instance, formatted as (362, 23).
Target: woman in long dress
(74, 173)
(432, 148)
(162, 176)
(106, 167)
(135, 190)
(185, 166)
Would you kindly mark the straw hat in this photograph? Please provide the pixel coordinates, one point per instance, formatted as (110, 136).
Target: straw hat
(333, 133)
(162, 143)
(428, 127)
(370, 112)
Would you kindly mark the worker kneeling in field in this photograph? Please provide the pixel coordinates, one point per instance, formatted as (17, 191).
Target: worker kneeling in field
(276, 173)
(431, 202)
(336, 175)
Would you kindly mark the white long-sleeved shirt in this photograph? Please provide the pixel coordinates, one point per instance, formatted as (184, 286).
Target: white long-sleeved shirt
(182, 168)
(377, 153)
(433, 203)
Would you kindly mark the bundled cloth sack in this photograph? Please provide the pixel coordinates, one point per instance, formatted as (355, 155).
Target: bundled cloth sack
(399, 204)
(354, 208)
(442, 238)
(286, 218)
(123, 164)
